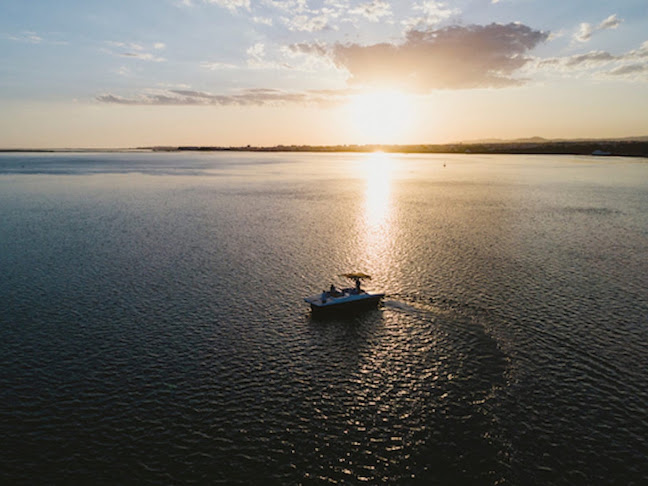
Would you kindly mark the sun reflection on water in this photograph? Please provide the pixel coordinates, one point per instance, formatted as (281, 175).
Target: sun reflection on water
(377, 169)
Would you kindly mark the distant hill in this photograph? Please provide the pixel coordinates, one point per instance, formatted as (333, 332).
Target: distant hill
(633, 139)
(502, 140)
(554, 140)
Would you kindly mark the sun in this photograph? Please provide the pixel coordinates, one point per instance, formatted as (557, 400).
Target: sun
(381, 117)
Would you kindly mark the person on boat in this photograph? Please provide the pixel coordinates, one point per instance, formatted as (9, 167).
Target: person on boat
(332, 290)
(357, 286)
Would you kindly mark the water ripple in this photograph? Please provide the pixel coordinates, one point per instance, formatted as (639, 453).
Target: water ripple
(153, 329)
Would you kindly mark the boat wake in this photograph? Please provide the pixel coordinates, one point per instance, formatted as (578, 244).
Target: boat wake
(411, 306)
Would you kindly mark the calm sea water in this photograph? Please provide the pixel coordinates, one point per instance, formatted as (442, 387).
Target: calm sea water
(152, 328)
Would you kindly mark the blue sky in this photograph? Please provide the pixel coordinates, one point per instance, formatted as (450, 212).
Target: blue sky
(97, 73)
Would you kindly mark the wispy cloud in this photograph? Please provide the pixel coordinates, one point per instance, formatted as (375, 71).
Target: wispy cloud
(431, 13)
(217, 66)
(309, 61)
(124, 71)
(257, 57)
(26, 36)
(315, 48)
(310, 23)
(629, 69)
(281, 57)
(586, 30)
(296, 6)
(631, 65)
(594, 58)
(249, 97)
(231, 5)
(457, 57)
(590, 58)
(144, 56)
(262, 20)
(296, 15)
(126, 45)
(374, 10)
(31, 37)
(135, 50)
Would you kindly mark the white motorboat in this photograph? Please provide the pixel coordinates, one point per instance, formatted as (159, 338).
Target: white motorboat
(345, 299)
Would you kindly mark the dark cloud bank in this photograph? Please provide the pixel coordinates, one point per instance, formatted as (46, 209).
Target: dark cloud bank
(455, 57)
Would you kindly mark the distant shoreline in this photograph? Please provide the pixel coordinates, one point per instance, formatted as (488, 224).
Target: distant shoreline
(626, 148)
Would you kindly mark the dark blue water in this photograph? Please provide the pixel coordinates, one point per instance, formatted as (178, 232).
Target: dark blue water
(153, 329)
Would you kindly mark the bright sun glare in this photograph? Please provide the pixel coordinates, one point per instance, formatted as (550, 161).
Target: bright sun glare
(377, 168)
(381, 117)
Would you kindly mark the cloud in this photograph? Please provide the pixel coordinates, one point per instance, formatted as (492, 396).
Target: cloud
(584, 33)
(306, 23)
(432, 13)
(231, 5)
(249, 97)
(629, 69)
(256, 51)
(294, 6)
(457, 57)
(631, 65)
(373, 10)
(144, 56)
(135, 51)
(257, 57)
(26, 36)
(217, 66)
(31, 37)
(586, 30)
(126, 45)
(262, 20)
(282, 57)
(297, 16)
(596, 58)
(640, 53)
(315, 48)
(553, 35)
(308, 60)
(590, 58)
(612, 22)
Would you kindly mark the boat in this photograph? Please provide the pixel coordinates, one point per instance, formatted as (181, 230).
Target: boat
(345, 299)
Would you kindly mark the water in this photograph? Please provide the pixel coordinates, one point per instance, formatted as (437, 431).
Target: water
(152, 327)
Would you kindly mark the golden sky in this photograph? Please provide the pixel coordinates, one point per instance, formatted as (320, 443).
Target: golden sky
(238, 72)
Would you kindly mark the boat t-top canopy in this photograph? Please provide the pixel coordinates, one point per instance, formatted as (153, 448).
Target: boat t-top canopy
(357, 275)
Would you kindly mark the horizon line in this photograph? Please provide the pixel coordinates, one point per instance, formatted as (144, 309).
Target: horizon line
(625, 146)
(367, 147)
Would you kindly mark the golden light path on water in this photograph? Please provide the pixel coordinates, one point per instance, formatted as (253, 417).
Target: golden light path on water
(378, 170)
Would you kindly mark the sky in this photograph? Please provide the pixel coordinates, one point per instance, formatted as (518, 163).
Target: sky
(137, 73)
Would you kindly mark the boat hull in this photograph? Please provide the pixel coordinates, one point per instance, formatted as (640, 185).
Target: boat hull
(346, 306)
